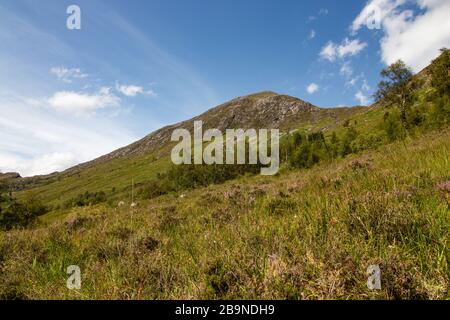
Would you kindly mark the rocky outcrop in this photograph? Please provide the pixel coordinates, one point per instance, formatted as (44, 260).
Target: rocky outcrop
(9, 176)
(261, 110)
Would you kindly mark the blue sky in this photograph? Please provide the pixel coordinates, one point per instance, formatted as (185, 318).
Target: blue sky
(68, 96)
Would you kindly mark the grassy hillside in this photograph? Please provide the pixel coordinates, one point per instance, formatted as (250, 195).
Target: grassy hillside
(114, 174)
(308, 234)
(357, 187)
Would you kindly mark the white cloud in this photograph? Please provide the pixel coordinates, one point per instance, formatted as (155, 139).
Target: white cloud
(312, 88)
(352, 82)
(312, 34)
(331, 51)
(375, 12)
(350, 48)
(42, 164)
(78, 103)
(40, 141)
(129, 91)
(363, 99)
(323, 12)
(151, 93)
(31, 130)
(346, 69)
(67, 75)
(132, 90)
(365, 85)
(361, 80)
(414, 38)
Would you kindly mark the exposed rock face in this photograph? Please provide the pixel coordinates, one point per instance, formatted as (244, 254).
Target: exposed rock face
(262, 110)
(267, 110)
(9, 176)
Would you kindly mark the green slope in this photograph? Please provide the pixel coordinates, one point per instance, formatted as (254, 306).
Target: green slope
(303, 234)
(114, 176)
(308, 234)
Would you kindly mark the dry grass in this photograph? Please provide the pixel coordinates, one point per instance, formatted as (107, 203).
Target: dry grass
(307, 234)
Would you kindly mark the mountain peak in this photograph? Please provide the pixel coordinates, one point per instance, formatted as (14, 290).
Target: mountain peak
(259, 95)
(266, 109)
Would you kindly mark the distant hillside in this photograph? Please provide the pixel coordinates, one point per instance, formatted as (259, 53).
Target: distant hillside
(358, 187)
(261, 110)
(144, 159)
(9, 176)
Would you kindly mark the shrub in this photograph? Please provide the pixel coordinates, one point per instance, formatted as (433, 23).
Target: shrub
(440, 111)
(308, 150)
(86, 199)
(184, 177)
(392, 125)
(16, 214)
(220, 279)
(366, 142)
(346, 143)
(3, 187)
(194, 176)
(334, 145)
(156, 188)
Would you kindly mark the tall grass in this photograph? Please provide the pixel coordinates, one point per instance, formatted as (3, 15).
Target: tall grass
(309, 234)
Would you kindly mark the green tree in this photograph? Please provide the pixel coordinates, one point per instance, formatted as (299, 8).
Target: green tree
(396, 88)
(440, 73)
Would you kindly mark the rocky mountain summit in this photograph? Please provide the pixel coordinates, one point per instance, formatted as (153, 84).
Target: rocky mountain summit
(261, 110)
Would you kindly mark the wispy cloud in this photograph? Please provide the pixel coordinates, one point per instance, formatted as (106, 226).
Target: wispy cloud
(129, 90)
(331, 51)
(362, 98)
(68, 75)
(365, 85)
(134, 90)
(352, 82)
(47, 126)
(322, 13)
(186, 82)
(414, 38)
(346, 69)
